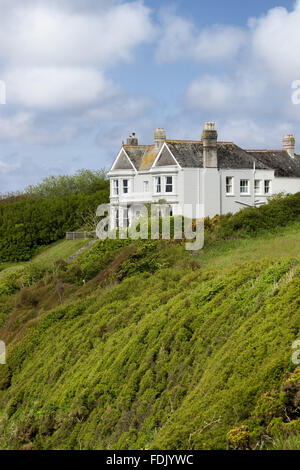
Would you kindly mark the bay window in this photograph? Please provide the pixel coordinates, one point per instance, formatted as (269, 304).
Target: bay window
(115, 187)
(116, 218)
(158, 184)
(125, 218)
(125, 186)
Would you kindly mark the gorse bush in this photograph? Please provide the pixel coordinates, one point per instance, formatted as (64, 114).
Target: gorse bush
(9, 284)
(99, 256)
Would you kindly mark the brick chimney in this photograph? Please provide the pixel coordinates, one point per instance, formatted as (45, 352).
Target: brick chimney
(209, 139)
(289, 145)
(132, 140)
(159, 137)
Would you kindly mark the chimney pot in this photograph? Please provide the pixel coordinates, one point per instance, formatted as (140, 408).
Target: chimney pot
(132, 140)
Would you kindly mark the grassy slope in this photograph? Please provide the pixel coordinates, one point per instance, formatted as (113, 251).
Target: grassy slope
(171, 359)
(62, 249)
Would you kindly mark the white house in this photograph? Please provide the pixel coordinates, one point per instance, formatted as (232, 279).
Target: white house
(220, 177)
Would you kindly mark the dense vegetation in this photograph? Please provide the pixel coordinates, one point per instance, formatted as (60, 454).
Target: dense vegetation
(83, 182)
(143, 345)
(47, 212)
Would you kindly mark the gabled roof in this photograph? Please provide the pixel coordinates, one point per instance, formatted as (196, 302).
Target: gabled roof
(122, 162)
(189, 154)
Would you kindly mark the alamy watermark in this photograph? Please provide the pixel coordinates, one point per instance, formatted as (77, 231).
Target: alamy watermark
(2, 92)
(2, 353)
(296, 92)
(139, 221)
(296, 353)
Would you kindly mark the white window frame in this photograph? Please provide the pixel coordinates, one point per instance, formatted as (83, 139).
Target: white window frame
(166, 184)
(117, 218)
(115, 187)
(123, 186)
(146, 186)
(125, 217)
(245, 193)
(269, 186)
(157, 184)
(229, 184)
(257, 186)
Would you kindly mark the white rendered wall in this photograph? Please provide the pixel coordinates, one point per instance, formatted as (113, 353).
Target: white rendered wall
(210, 189)
(287, 185)
(236, 201)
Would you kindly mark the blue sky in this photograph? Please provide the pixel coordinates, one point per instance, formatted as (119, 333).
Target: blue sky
(83, 74)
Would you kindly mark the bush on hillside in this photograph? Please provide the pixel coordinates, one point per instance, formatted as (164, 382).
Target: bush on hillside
(83, 182)
(31, 223)
(277, 213)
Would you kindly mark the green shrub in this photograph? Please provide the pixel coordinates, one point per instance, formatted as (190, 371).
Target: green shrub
(32, 274)
(9, 284)
(31, 223)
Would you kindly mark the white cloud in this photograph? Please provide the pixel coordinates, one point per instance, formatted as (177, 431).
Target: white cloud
(56, 87)
(276, 41)
(6, 167)
(132, 107)
(56, 58)
(252, 133)
(180, 40)
(47, 34)
(16, 126)
(258, 87)
(25, 127)
(231, 93)
(209, 93)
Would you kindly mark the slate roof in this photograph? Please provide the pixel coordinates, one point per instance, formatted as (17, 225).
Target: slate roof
(278, 160)
(189, 154)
